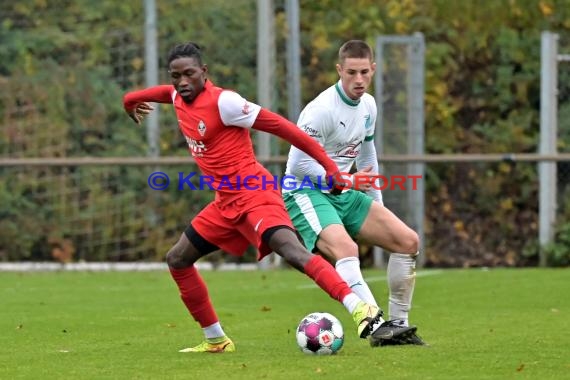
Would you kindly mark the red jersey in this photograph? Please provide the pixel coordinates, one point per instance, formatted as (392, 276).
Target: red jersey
(216, 126)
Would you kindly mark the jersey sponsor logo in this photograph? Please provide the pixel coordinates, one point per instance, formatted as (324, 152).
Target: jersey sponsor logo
(367, 123)
(311, 131)
(196, 147)
(350, 151)
(258, 224)
(201, 128)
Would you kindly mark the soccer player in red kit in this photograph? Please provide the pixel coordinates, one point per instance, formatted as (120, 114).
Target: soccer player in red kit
(216, 123)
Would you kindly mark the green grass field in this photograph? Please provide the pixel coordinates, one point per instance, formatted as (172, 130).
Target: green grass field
(501, 324)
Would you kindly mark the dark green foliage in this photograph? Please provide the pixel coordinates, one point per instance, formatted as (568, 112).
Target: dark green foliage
(558, 252)
(63, 73)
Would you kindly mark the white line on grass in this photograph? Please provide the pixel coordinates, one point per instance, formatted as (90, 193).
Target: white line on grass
(380, 278)
(112, 266)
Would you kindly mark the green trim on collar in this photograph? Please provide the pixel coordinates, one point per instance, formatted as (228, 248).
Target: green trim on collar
(345, 98)
(369, 138)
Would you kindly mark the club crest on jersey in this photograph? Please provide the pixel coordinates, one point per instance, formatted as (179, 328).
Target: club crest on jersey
(367, 122)
(201, 128)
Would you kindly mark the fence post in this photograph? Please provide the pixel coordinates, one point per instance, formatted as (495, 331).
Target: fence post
(548, 137)
(414, 137)
(265, 80)
(151, 75)
(293, 60)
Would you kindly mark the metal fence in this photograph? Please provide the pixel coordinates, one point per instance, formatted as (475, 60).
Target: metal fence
(97, 209)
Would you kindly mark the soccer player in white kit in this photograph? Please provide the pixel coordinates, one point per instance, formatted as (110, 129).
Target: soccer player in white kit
(342, 120)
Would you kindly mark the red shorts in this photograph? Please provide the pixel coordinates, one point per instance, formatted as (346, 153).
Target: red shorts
(241, 223)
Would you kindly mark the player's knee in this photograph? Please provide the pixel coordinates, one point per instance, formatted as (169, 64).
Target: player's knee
(343, 249)
(294, 253)
(176, 258)
(411, 243)
(173, 259)
(337, 247)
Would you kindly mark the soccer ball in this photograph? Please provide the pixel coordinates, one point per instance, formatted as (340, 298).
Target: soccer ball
(320, 334)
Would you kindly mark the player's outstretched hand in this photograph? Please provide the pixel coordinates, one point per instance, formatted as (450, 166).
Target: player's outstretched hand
(364, 179)
(140, 111)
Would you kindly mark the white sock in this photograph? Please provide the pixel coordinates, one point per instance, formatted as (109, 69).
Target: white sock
(214, 331)
(401, 281)
(349, 270)
(350, 302)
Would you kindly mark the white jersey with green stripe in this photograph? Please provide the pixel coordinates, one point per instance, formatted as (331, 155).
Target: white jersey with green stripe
(342, 126)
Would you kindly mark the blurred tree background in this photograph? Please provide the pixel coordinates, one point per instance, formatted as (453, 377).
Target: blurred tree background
(64, 66)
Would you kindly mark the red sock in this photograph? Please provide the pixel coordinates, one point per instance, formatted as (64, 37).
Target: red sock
(327, 278)
(194, 294)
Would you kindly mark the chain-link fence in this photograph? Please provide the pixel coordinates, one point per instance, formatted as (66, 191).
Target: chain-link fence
(112, 213)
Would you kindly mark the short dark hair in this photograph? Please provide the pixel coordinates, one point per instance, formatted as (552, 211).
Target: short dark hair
(189, 49)
(355, 49)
